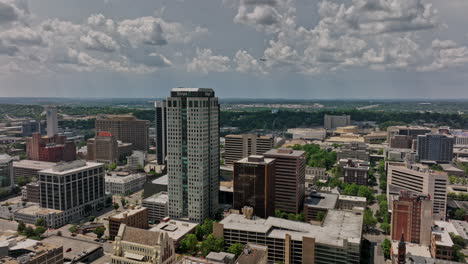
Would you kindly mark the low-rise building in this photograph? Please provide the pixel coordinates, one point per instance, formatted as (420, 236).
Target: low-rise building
(317, 173)
(176, 229)
(308, 133)
(441, 242)
(346, 202)
(347, 130)
(124, 183)
(32, 192)
(134, 245)
(338, 239)
(37, 253)
(355, 172)
(29, 169)
(462, 228)
(353, 150)
(76, 250)
(375, 137)
(137, 218)
(157, 206)
(29, 215)
(318, 202)
(136, 160)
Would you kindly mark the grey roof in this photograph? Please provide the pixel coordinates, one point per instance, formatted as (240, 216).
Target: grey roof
(279, 152)
(322, 200)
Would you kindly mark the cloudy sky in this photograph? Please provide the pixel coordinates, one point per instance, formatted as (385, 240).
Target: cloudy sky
(241, 48)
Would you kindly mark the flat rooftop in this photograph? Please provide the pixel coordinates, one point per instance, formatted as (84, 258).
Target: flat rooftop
(176, 229)
(163, 180)
(337, 227)
(160, 198)
(443, 229)
(461, 227)
(128, 212)
(256, 159)
(77, 246)
(71, 167)
(352, 198)
(284, 152)
(413, 249)
(322, 200)
(253, 254)
(124, 179)
(34, 209)
(33, 164)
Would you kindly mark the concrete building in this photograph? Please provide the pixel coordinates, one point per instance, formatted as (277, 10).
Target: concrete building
(176, 229)
(346, 202)
(134, 245)
(353, 150)
(29, 127)
(157, 206)
(6, 172)
(50, 149)
(435, 147)
(331, 122)
(347, 130)
(402, 136)
(193, 155)
(254, 254)
(412, 216)
(241, 146)
(441, 242)
(317, 173)
(337, 240)
(315, 202)
(289, 179)
(461, 228)
(254, 185)
(136, 160)
(32, 192)
(137, 218)
(308, 133)
(29, 169)
(103, 148)
(421, 180)
(398, 155)
(36, 253)
(375, 137)
(126, 129)
(355, 172)
(29, 215)
(124, 183)
(76, 188)
(160, 121)
(76, 250)
(52, 121)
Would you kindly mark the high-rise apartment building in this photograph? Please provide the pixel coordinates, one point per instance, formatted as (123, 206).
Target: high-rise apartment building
(103, 148)
(160, 121)
(412, 217)
(435, 147)
(254, 185)
(332, 121)
(50, 149)
(421, 180)
(77, 188)
(289, 178)
(193, 153)
(237, 147)
(126, 129)
(52, 121)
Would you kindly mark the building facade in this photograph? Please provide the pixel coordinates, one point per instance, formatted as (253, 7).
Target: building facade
(137, 218)
(126, 129)
(6, 172)
(52, 121)
(29, 169)
(161, 131)
(76, 188)
(353, 150)
(435, 147)
(355, 172)
(50, 149)
(103, 148)
(193, 153)
(124, 183)
(157, 206)
(289, 179)
(331, 121)
(237, 147)
(254, 185)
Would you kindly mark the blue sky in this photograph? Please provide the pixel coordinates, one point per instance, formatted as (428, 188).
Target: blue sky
(241, 48)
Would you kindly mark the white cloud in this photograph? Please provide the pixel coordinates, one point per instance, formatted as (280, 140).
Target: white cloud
(99, 41)
(206, 62)
(6, 49)
(22, 36)
(246, 63)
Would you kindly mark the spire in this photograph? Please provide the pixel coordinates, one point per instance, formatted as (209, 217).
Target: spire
(402, 240)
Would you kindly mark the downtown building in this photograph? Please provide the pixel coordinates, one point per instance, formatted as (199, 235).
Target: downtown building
(420, 180)
(331, 122)
(289, 180)
(127, 129)
(435, 147)
(160, 120)
(193, 153)
(76, 188)
(50, 149)
(237, 147)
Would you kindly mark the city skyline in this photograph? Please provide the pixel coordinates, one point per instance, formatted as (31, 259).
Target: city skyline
(243, 49)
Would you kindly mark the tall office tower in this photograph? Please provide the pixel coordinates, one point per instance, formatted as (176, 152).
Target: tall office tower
(435, 147)
(126, 129)
(402, 136)
(161, 131)
(412, 216)
(332, 121)
(193, 153)
(6, 172)
(76, 188)
(241, 146)
(421, 180)
(289, 179)
(52, 121)
(254, 185)
(103, 148)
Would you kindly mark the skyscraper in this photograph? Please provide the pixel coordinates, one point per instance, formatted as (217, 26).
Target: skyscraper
(52, 121)
(241, 146)
(126, 129)
(161, 132)
(435, 147)
(193, 153)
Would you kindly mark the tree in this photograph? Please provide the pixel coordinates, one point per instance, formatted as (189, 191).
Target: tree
(188, 244)
(22, 181)
(39, 231)
(112, 166)
(21, 227)
(369, 220)
(211, 243)
(91, 218)
(116, 206)
(203, 230)
(73, 229)
(41, 222)
(385, 227)
(367, 192)
(386, 248)
(99, 231)
(320, 216)
(459, 214)
(29, 231)
(235, 249)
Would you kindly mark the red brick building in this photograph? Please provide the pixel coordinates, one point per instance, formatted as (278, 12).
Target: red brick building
(51, 149)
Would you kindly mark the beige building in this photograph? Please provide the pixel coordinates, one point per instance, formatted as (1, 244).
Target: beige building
(347, 130)
(346, 202)
(29, 169)
(241, 146)
(29, 215)
(126, 129)
(134, 245)
(37, 253)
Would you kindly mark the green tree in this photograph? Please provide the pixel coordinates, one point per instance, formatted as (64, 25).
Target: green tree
(41, 222)
(39, 231)
(91, 218)
(21, 227)
(369, 220)
(112, 166)
(459, 214)
(116, 206)
(436, 167)
(22, 181)
(386, 245)
(320, 216)
(188, 244)
(203, 230)
(367, 192)
(211, 243)
(235, 249)
(73, 229)
(99, 231)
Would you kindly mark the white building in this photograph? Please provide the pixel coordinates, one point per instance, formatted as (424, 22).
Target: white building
(157, 206)
(308, 133)
(136, 160)
(29, 215)
(193, 153)
(124, 183)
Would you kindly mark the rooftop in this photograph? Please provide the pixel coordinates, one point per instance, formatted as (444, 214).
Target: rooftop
(284, 152)
(124, 179)
(36, 209)
(253, 254)
(140, 236)
(256, 159)
(176, 229)
(161, 197)
(352, 198)
(128, 213)
(413, 249)
(461, 227)
(33, 164)
(77, 246)
(163, 180)
(71, 167)
(322, 200)
(337, 227)
(443, 229)
(180, 89)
